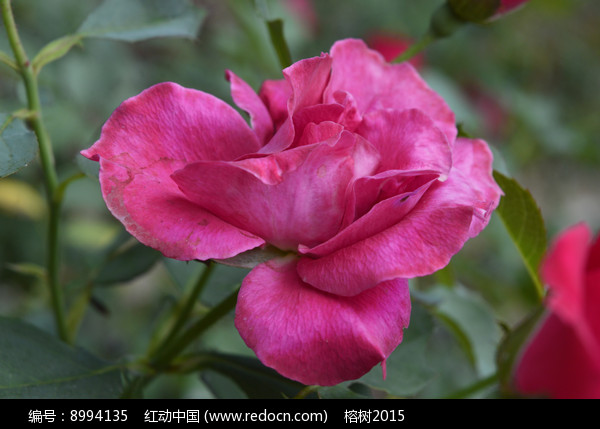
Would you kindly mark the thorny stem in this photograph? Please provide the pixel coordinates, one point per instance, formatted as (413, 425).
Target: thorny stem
(54, 198)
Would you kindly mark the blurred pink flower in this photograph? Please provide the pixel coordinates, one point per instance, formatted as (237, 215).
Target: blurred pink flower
(351, 168)
(392, 45)
(562, 359)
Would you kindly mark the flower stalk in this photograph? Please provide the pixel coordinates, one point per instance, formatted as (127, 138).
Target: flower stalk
(162, 356)
(54, 197)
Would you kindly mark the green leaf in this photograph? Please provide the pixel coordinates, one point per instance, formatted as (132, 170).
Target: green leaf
(525, 225)
(253, 257)
(126, 262)
(136, 20)
(29, 269)
(54, 50)
(34, 364)
(18, 145)
(511, 345)
(340, 392)
(407, 368)
(250, 376)
(471, 321)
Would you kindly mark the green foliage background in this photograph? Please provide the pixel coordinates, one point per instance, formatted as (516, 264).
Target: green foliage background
(528, 84)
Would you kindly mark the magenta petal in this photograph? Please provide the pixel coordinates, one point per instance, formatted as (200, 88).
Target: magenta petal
(169, 122)
(245, 97)
(377, 85)
(472, 181)
(574, 292)
(154, 210)
(380, 217)
(275, 95)
(407, 140)
(564, 271)
(557, 363)
(314, 337)
(145, 140)
(277, 197)
(308, 79)
(316, 133)
(422, 242)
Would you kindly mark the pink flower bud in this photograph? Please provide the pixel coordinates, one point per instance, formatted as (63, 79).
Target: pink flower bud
(483, 10)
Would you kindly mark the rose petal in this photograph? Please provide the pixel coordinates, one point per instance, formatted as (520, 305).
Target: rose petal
(472, 167)
(167, 121)
(154, 210)
(381, 216)
(289, 198)
(563, 270)
(316, 133)
(593, 262)
(314, 337)
(275, 95)
(145, 140)
(420, 244)
(376, 85)
(307, 80)
(423, 241)
(558, 364)
(245, 97)
(407, 140)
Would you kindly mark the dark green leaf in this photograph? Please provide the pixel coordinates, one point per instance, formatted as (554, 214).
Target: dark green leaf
(18, 145)
(511, 345)
(126, 262)
(136, 20)
(252, 377)
(340, 392)
(34, 364)
(54, 50)
(523, 220)
(220, 386)
(472, 323)
(407, 368)
(252, 258)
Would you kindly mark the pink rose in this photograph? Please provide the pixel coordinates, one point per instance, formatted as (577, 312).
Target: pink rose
(562, 359)
(352, 169)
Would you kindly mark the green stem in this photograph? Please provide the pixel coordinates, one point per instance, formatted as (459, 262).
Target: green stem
(165, 355)
(47, 159)
(189, 303)
(306, 391)
(416, 48)
(474, 388)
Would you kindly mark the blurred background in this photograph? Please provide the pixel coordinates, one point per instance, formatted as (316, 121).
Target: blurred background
(529, 84)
